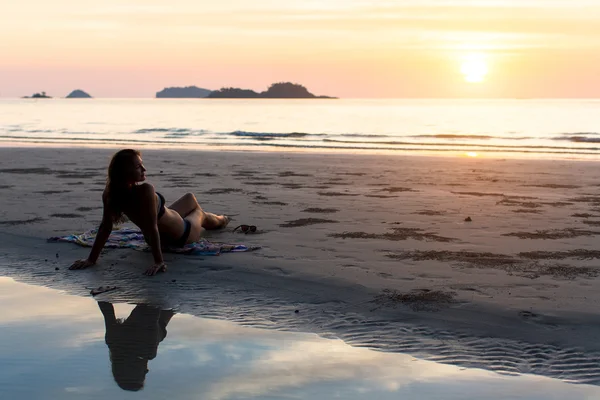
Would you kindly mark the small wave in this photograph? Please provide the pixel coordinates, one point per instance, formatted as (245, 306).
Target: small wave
(151, 130)
(451, 136)
(580, 133)
(176, 135)
(482, 137)
(362, 135)
(173, 132)
(450, 144)
(260, 135)
(579, 139)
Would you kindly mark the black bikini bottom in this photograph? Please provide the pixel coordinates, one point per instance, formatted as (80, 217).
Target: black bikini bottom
(186, 234)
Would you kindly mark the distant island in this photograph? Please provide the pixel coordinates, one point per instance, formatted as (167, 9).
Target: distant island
(38, 96)
(281, 90)
(78, 94)
(188, 92)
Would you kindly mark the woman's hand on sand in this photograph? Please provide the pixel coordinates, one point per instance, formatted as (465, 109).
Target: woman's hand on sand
(156, 268)
(81, 264)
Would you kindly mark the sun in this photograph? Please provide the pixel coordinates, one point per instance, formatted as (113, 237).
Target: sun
(474, 68)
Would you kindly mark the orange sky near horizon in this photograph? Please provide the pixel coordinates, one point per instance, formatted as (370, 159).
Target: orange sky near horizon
(345, 48)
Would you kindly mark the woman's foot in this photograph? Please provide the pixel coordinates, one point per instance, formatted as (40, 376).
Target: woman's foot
(224, 221)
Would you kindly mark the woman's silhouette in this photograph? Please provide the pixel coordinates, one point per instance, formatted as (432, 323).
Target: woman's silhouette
(134, 341)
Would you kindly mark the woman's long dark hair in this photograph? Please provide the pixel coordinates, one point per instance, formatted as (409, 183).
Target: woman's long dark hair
(119, 170)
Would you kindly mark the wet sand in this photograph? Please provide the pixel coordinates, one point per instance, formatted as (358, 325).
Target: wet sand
(376, 250)
(75, 347)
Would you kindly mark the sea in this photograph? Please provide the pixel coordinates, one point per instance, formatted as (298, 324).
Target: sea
(546, 128)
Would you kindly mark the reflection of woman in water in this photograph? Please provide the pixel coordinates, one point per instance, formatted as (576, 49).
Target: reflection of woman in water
(134, 341)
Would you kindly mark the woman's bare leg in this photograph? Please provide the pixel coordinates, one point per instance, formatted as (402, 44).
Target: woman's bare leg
(185, 205)
(188, 204)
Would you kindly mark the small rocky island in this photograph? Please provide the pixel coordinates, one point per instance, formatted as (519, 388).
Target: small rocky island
(78, 94)
(281, 90)
(188, 92)
(38, 96)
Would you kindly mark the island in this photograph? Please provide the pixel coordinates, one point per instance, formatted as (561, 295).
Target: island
(78, 94)
(281, 90)
(38, 96)
(188, 92)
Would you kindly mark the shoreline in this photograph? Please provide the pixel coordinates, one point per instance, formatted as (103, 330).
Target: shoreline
(316, 151)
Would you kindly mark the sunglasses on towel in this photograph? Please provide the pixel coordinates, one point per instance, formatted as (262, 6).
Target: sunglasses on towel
(245, 228)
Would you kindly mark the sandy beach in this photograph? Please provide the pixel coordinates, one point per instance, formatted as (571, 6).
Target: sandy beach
(489, 263)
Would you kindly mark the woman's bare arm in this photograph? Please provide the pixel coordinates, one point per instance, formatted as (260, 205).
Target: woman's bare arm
(102, 235)
(149, 226)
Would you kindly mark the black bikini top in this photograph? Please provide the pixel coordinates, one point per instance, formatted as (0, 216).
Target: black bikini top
(161, 206)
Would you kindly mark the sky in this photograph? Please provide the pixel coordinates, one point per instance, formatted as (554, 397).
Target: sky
(345, 48)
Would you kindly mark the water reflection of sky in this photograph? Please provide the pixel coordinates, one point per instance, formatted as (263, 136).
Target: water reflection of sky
(52, 346)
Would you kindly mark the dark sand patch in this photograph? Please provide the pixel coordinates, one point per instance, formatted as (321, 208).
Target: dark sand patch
(585, 215)
(6, 186)
(53, 191)
(594, 200)
(22, 221)
(93, 168)
(527, 211)
(66, 215)
(397, 189)
(558, 203)
(205, 174)
(77, 175)
(223, 191)
(177, 185)
(334, 182)
(592, 223)
(351, 173)
(512, 265)
(25, 171)
(96, 190)
(430, 212)
(306, 221)
(396, 235)
(292, 185)
(317, 210)
(258, 183)
(246, 173)
(84, 209)
(261, 198)
(333, 194)
(177, 179)
(554, 186)
(479, 194)
(581, 254)
(515, 203)
(270, 203)
(417, 300)
(320, 187)
(476, 259)
(561, 271)
(377, 184)
(553, 234)
(74, 183)
(261, 178)
(381, 196)
(285, 174)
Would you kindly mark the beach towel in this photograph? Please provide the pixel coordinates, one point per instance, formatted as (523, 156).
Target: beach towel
(134, 239)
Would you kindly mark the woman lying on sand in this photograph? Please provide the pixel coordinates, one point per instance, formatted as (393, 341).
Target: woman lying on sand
(180, 223)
